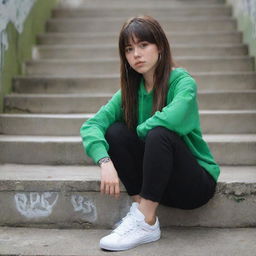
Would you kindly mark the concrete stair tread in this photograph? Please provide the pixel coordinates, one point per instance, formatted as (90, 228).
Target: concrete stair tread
(121, 19)
(218, 138)
(111, 33)
(159, 7)
(179, 241)
(64, 173)
(90, 95)
(226, 121)
(88, 115)
(81, 115)
(107, 60)
(102, 76)
(198, 6)
(99, 52)
(91, 102)
(196, 23)
(174, 33)
(213, 10)
(113, 46)
(184, 37)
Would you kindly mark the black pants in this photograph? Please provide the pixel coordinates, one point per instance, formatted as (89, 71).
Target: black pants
(161, 168)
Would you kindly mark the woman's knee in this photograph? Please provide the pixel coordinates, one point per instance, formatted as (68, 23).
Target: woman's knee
(114, 131)
(160, 132)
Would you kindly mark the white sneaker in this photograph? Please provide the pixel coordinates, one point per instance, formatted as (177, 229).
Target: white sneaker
(135, 204)
(132, 232)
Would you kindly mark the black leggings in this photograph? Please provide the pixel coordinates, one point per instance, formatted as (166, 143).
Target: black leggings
(161, 168)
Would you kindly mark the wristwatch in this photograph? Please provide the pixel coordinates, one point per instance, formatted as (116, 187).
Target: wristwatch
(103, 160)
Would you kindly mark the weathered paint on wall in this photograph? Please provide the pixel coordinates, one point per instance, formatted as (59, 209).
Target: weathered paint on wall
(14, 12)
(245, 13)
(19, 36)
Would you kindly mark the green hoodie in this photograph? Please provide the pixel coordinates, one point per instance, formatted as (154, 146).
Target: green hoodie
(180, 115)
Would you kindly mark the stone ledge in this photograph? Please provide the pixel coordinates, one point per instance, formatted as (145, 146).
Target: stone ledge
(68, 197)
(233, 180)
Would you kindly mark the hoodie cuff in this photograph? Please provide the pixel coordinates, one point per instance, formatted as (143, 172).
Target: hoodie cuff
(97, 151)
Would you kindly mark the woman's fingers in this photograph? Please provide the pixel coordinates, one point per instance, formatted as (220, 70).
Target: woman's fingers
(111, 189)
(117, 190)
(102, 187)
(107, 187)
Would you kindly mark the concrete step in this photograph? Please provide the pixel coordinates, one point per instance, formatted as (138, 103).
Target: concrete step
(111, 51)
(69, 197)
(141, 4)
(159, 12)
(82, 25)
(177, 241)
(90, 103)
(111, 66)
(109, 84)
(232, 122)
(228, 149)
(202, 37)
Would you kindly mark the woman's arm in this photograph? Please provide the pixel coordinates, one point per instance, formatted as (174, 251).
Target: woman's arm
(180, 115)
(93, 130)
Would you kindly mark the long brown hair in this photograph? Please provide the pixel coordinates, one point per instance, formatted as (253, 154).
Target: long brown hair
(144, 28)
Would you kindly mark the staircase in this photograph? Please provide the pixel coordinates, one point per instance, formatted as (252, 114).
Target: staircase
(47, 181)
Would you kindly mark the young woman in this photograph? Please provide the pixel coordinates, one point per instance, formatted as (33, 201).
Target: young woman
(149, 136)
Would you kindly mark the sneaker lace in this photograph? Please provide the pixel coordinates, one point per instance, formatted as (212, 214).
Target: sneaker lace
(128, 223)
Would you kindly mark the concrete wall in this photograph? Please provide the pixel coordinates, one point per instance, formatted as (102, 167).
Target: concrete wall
(20, 22)
(245, 12)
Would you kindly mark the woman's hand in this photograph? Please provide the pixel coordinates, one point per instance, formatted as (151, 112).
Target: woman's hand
(109, 180)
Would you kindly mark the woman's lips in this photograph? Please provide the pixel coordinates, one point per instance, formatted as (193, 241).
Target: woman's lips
(139, 63)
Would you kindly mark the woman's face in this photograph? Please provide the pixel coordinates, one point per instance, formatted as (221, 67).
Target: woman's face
(142, 56)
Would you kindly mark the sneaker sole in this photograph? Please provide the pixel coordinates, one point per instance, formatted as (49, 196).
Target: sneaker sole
(132, 246)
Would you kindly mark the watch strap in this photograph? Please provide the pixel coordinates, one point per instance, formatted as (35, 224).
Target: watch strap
(104, 160)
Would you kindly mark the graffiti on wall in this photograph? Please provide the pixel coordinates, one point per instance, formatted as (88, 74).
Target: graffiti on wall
(34, 204)
(84, 206)
(15, 12)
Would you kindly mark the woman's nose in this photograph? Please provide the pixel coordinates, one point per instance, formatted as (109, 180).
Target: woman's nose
(136, 52)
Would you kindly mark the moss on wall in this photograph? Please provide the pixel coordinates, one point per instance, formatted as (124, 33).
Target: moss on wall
(245, 25)
(20, 45)
(244, 12)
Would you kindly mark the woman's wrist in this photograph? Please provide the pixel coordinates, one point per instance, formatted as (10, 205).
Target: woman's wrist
(103, 160)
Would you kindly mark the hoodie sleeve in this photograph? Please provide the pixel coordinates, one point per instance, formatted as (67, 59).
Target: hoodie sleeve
(180, 115)
(93, 130)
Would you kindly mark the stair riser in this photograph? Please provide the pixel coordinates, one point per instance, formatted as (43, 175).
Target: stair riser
(92, 104)
(112, 67)
(115, 25)
(229, 38)
(210, 123)
(141, 4)
(239, 153)
(99, 53)
(156, 13)
(95, 85)
(65, 210)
